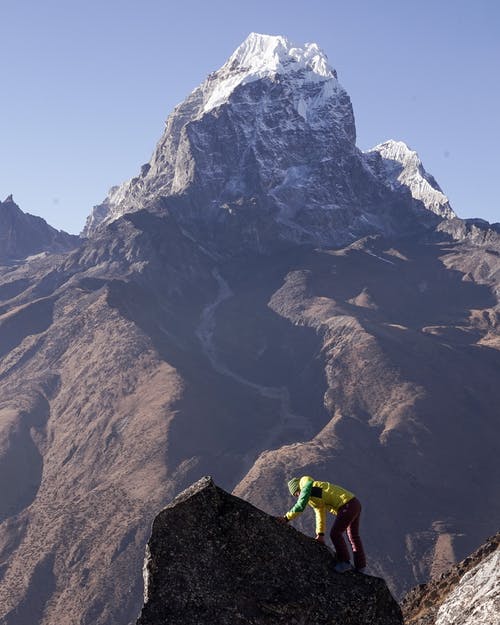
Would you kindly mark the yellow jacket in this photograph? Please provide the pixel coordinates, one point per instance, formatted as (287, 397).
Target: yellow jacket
(322, 497)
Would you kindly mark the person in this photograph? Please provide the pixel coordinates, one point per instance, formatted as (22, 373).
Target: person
(323, 497)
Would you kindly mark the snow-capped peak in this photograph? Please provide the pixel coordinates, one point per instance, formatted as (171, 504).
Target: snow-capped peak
(401, 166)
(261, 56)
(398, 151)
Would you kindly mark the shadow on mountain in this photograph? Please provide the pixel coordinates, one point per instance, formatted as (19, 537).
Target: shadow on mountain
(408, 283)
(225, 414)
(24, 321)
(226, 410)
(41, 587)
(21, 464)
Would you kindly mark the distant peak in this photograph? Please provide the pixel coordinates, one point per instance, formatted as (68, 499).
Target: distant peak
(396, 150)
(10, 207)
(409, 172)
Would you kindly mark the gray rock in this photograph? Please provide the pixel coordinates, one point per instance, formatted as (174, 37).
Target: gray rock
(476, 231)
(214, 558)
(466, 594)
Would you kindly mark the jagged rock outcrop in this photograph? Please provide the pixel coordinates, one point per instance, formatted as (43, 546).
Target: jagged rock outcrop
(476, 231)
(214, 558)
(22, 234)
(467, 594)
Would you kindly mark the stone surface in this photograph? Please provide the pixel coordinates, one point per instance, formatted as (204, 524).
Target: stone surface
(214, 558)
(467, 594)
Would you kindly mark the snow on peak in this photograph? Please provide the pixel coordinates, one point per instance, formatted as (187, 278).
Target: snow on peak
(261, 56)
(265, 54)
(402, 167)
(398, 151)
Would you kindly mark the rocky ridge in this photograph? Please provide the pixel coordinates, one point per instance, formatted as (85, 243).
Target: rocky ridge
(213, 558)
(467, 594)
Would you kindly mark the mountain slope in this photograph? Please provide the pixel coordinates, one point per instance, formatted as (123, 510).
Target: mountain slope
(152, 364)
(87, 399)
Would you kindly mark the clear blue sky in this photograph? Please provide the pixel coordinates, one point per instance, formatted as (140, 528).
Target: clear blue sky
(85, 86)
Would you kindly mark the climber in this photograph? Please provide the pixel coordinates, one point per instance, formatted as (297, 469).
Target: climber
(323, 497)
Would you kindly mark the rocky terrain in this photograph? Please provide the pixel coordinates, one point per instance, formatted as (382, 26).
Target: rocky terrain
(213, 558)
(262, 300)
(467, 594)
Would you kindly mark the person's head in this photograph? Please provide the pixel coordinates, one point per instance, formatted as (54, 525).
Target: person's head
(294, 486)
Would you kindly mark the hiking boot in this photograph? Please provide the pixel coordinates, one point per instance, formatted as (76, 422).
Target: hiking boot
(342, 567)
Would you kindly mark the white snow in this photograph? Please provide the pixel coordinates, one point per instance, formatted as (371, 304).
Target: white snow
(407, 170)
(261, 56)
(476, 598)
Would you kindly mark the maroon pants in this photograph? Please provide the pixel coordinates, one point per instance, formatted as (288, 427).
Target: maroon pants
(347, 519)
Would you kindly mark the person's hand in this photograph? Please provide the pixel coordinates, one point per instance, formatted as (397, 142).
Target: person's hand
(282, 519)
(320, 539)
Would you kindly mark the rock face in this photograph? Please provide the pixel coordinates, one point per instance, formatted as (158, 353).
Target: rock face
(22, 235)
(213, 558)
(467, 594)
(399, 167)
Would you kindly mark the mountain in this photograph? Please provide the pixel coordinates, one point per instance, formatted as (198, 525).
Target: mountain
(245, 309)
(465, 595)
(264, 152)
(398, 167)
(213, 558)
(22, 234)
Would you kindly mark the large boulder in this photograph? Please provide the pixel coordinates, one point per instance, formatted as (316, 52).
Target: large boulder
(214, 558)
